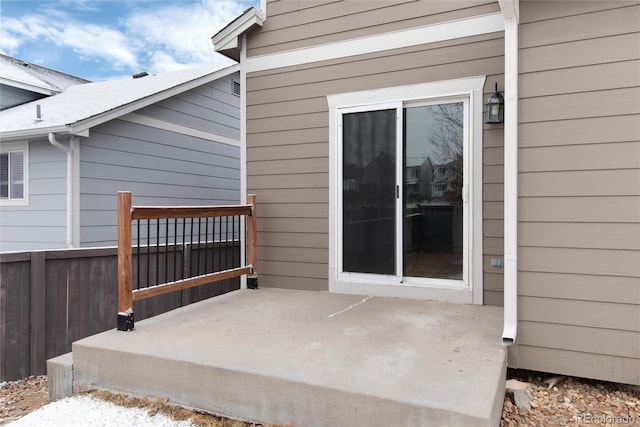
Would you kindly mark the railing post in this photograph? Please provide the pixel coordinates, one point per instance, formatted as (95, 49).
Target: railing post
(252, 239)
(125, 263)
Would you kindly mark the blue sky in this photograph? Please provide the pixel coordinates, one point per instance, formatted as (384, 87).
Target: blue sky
(107, 39)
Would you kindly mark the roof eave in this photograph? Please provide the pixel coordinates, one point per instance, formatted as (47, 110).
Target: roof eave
(227, 40)
(22, 134)
(27, 86)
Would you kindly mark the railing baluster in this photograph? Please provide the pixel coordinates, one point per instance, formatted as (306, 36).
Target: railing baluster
(206, 242)
(175, 248)
(148, 257)
(166, 251)
(184, 249)
(157, 251)
(219, 244)
(226, 242)
(191, 249)
(233, 241)
(199, 243)
(138, 254)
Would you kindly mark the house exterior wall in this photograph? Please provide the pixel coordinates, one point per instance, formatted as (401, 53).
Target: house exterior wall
(209, 108)
(288, 124)
(162, 161)
(579, 195)
(11, 96)
(42, 223)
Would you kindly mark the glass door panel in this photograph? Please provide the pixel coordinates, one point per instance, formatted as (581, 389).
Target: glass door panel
(369, 170)
(433, 177)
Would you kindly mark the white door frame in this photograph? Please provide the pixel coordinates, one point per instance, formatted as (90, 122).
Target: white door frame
(471, 88)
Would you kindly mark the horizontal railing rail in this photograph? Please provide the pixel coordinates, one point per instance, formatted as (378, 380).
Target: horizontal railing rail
(159, 230)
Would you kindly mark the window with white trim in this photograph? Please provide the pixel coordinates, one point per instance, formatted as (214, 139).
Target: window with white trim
(14, 160)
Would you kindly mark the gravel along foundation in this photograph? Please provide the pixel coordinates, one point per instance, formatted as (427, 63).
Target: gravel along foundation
(544, 400)
(568, 401)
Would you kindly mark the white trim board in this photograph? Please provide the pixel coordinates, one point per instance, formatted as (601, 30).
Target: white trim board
(449, 30)
(172, 127)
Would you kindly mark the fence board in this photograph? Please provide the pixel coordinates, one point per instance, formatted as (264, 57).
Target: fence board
(37, 313)
(14, 348)
(68, 295)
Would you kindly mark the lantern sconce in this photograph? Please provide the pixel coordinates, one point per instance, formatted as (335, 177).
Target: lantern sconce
(494, 108)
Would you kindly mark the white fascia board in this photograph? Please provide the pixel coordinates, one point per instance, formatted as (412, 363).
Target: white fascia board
(229, 37)
(41, 133)
(449, 30)
(83, 125)
(32, 133)
(26, 86)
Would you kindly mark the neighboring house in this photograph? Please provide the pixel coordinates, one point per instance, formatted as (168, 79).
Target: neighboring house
(554, 193)
(170, 139)
(22, 81)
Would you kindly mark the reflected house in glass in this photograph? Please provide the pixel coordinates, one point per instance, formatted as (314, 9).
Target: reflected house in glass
(444, 183)
(419, 179)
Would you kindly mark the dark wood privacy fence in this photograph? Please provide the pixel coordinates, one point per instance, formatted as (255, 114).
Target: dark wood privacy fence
(49, 299)
(149, 235)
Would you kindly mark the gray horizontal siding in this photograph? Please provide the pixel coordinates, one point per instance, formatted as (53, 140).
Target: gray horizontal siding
(11, 96)
(41, 224)
(579, 162)
(209, 108)
(158, 166)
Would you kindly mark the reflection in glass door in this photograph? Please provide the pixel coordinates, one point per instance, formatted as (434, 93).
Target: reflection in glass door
(369, 170)
(433, 185)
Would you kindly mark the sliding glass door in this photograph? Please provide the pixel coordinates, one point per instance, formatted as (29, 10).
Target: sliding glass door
(402, 204)
(433, 184)
(369, 191)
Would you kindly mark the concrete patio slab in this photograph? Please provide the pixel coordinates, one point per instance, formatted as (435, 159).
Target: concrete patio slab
(310, 359)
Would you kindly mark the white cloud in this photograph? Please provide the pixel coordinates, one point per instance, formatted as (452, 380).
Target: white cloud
(64, 31)
(154, 36)
(181, 33)
(97, 41)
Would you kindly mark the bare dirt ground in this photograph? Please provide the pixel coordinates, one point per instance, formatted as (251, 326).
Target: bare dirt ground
(19, 398)
(557, 401)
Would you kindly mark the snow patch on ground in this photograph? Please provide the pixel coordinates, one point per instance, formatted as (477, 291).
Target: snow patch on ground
(88, 412)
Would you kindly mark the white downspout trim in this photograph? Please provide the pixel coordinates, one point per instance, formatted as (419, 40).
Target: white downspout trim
(510, 11)
(70, 206)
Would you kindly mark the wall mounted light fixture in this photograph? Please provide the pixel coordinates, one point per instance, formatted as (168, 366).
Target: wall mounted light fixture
(494, 108)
